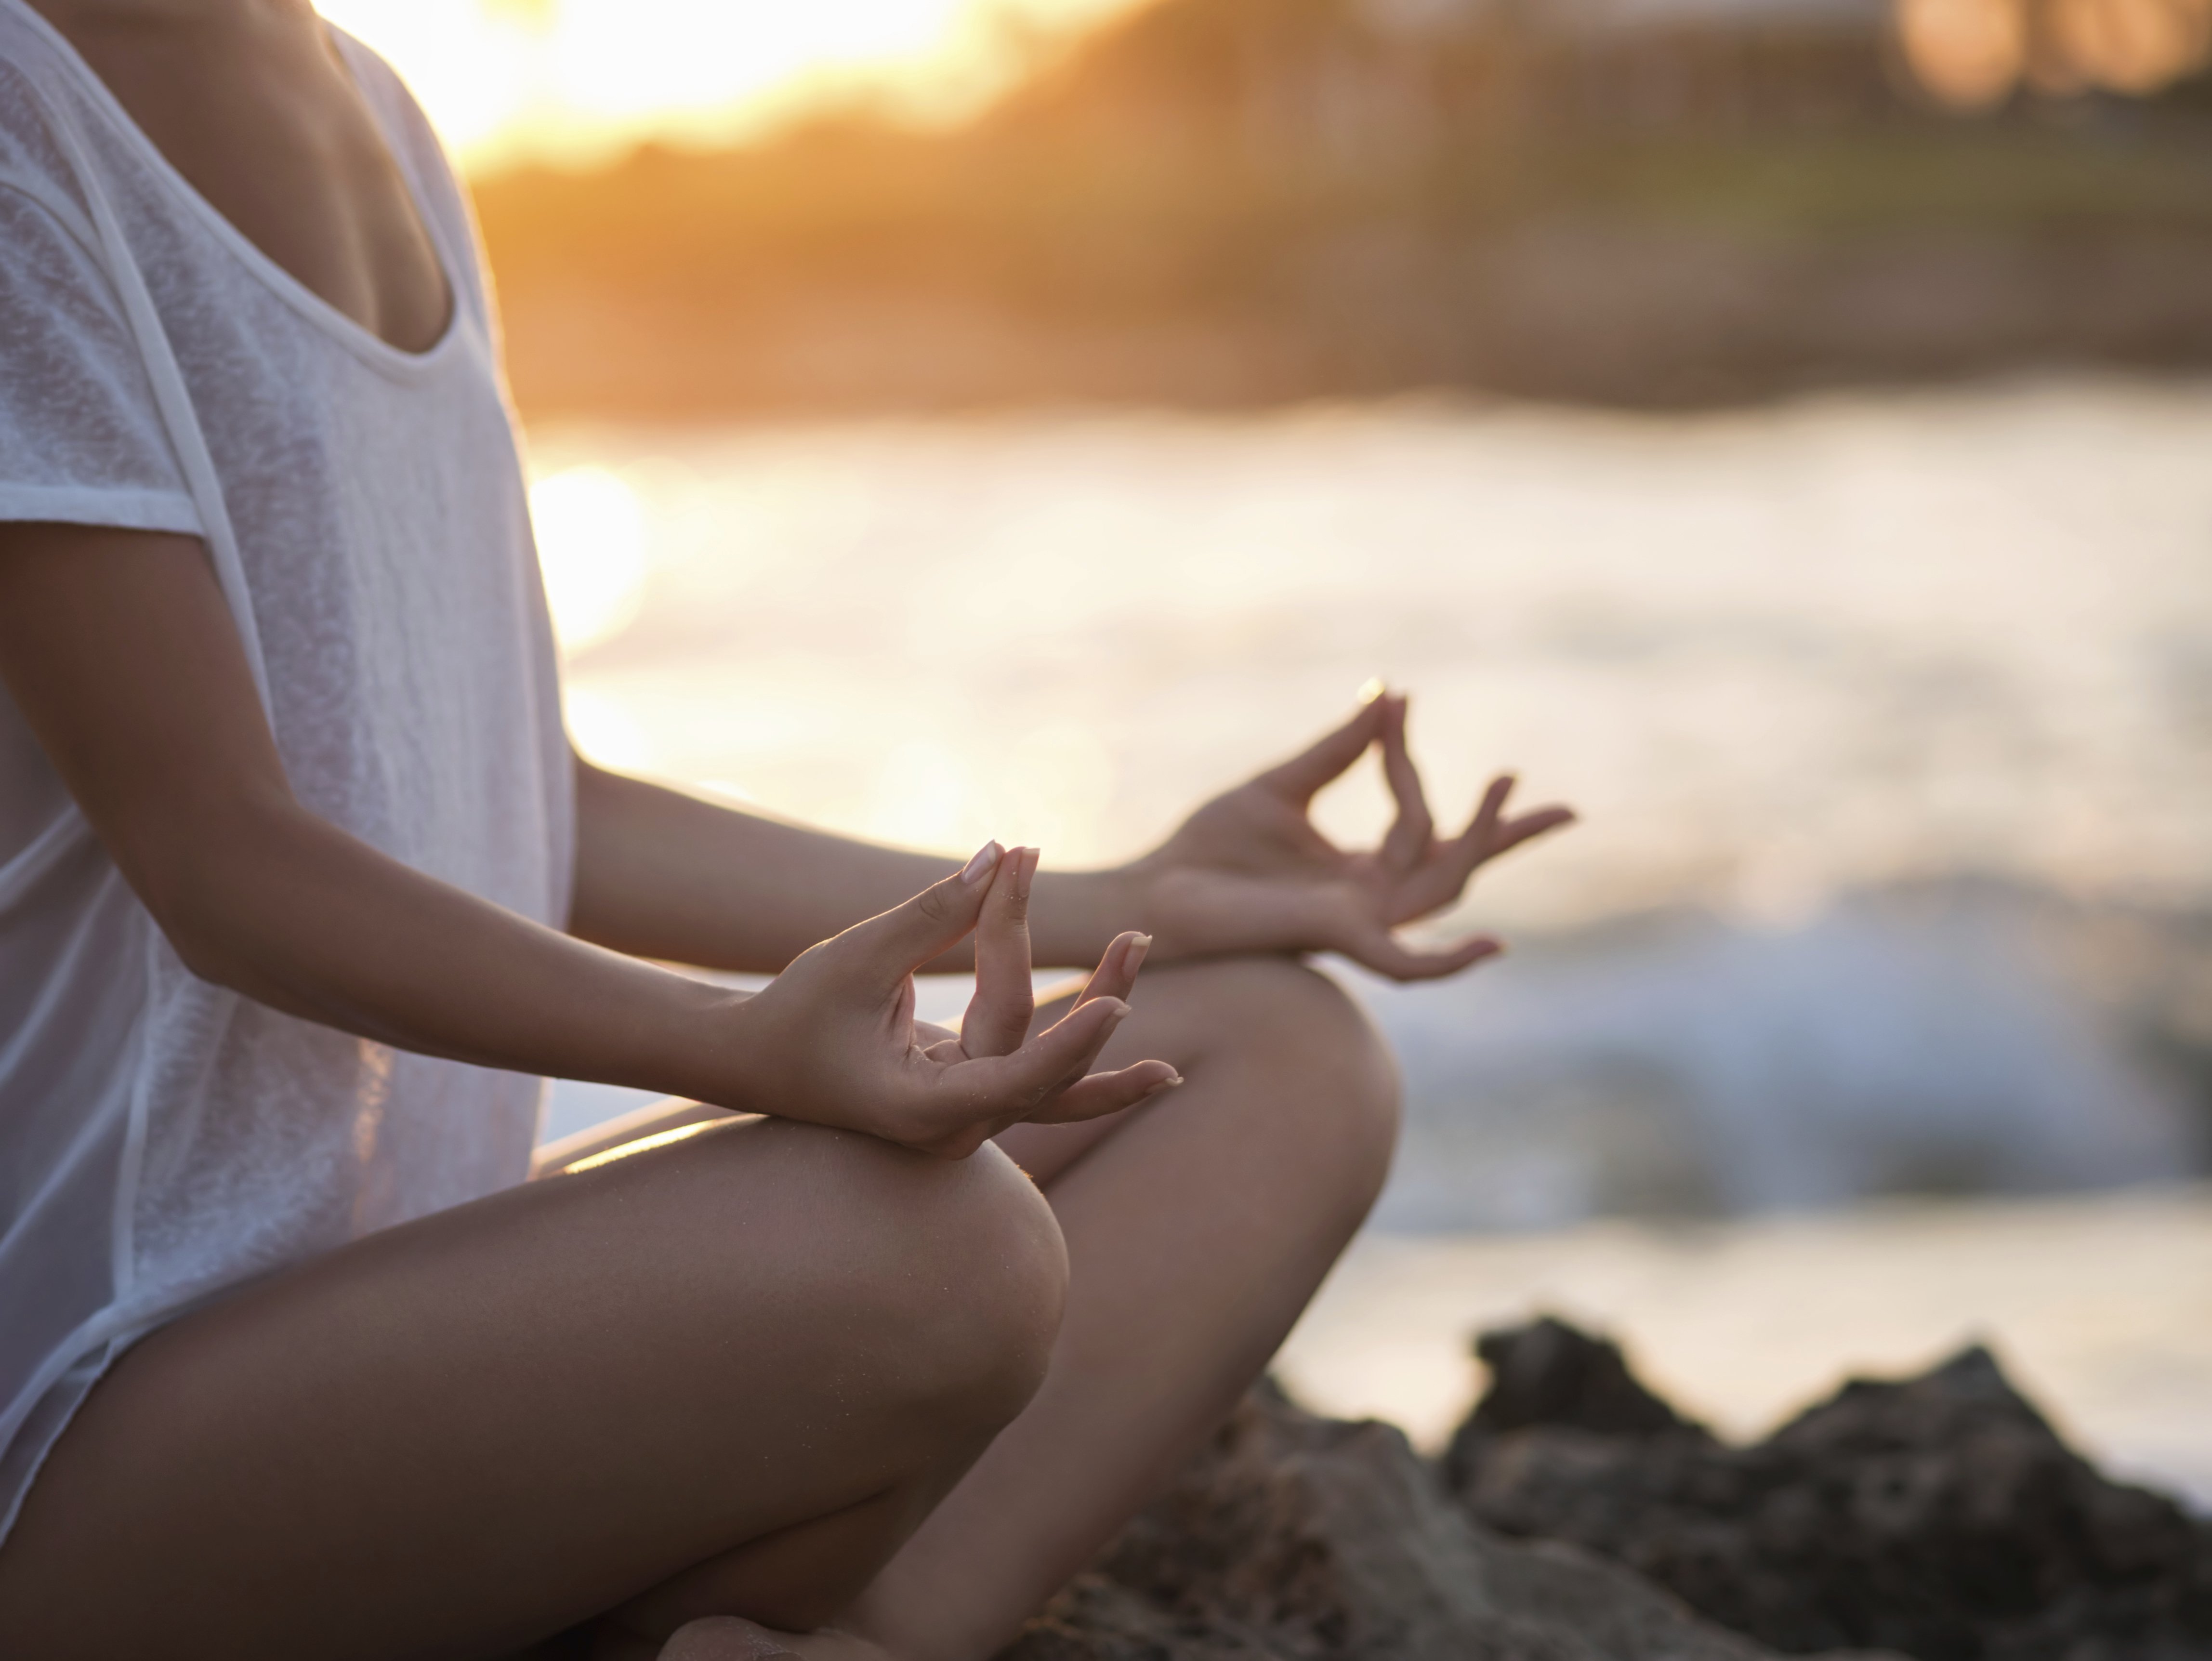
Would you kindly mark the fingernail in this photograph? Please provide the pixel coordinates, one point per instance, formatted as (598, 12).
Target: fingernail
(1132, 956)
(1163, 1087)
(1373, 690)
(977, 868)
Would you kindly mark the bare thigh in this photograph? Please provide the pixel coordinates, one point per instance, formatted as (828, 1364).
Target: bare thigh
(459, 1436)
(751, 1359)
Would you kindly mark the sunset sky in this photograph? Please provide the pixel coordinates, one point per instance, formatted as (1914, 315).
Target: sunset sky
(574, 81)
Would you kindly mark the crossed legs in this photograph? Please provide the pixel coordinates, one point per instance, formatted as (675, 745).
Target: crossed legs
(765, 1369)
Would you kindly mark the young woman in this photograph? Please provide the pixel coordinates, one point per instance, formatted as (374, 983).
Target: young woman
(861, 1352)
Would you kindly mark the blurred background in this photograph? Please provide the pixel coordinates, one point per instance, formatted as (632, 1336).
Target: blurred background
(1783, 428)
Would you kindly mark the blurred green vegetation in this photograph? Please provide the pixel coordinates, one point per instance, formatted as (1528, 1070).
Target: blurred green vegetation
(1275, 191)
(1961, 175)
(1080, 228)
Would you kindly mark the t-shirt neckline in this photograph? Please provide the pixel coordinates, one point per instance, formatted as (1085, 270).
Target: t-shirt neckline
(357, 338)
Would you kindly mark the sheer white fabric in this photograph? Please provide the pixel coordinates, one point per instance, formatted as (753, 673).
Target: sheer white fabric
(162, 1140)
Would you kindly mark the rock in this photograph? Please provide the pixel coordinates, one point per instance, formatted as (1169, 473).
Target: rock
(1292, 1538)
(1938, 1516)
(1549, 1373)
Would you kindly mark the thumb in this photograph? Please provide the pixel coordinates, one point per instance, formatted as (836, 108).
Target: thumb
(900, 940)
(1302, 778)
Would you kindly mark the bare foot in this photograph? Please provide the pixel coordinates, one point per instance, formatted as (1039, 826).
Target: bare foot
(729, 1638)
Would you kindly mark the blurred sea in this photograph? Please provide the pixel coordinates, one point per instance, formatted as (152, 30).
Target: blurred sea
(1889, 715)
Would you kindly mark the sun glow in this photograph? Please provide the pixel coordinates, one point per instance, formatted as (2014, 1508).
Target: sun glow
(573, 82)
(591, 538)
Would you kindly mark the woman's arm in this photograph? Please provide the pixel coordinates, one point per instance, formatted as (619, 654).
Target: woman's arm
(122, 657)
(118, 648)
(667, 876)
(662, 874)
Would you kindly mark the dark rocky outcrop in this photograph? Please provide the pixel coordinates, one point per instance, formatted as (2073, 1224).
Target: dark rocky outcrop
(1579, 1517)
(1939, 1515)
(1547, 1373)
(1295, 1538)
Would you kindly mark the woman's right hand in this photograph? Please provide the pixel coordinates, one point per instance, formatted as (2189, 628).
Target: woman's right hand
(833, 1039)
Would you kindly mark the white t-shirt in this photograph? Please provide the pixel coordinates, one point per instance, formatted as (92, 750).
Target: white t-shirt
(161, 1139)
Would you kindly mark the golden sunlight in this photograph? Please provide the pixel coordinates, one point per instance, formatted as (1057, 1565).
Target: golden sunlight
(573, 82)
(590, 537)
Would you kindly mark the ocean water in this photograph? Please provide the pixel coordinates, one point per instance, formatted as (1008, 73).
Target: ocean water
(1773, 655)
(1889, 715)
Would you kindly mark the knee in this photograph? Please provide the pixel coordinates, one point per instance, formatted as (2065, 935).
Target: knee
(979, 1286)
(958, 1276)
(1326, 1075)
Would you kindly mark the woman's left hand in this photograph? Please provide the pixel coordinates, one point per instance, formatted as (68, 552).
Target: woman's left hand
(1249, 872)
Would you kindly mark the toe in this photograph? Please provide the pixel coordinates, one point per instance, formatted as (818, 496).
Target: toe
(724, 1637)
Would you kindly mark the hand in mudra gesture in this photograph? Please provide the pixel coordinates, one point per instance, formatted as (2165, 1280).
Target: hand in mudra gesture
(1249, 872)
(834, 1038)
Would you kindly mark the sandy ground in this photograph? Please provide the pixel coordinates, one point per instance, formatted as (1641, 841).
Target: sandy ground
(2099, 1306)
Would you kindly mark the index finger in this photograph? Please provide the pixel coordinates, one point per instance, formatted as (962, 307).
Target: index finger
(998, 1017)
(1116, 974)
(896, 942)
(1407, 840)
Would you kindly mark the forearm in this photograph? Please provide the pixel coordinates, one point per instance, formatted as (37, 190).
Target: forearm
(297, 915)
(662, 874)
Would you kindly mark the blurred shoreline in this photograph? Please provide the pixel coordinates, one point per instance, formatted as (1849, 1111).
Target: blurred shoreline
(1226, 205)
(689, 287)
(1587, 310)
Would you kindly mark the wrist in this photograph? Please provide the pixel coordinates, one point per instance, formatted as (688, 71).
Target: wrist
(705, 1052)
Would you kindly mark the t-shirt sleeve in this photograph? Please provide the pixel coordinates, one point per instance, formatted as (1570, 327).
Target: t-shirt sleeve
(82, 440)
